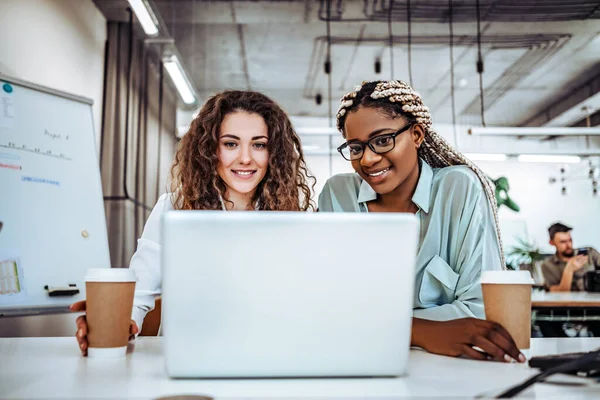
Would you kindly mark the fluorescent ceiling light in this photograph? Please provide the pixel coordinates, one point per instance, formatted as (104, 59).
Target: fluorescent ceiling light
(549, 158)
(321, 153)
(317, 130)
(310, 147)
(179, 79)
(537, 131)
(144, 14)
(486, 157)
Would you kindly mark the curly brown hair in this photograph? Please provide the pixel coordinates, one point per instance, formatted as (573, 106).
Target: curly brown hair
(195, 183)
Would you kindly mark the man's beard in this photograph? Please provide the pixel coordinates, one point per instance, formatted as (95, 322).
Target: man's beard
(568, 253)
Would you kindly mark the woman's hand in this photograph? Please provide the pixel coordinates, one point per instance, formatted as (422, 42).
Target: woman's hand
(466, 337)
(82, 328)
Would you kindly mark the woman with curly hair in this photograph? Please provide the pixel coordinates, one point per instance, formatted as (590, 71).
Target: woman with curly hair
(215, 168)
(240, 153)
(403, 165)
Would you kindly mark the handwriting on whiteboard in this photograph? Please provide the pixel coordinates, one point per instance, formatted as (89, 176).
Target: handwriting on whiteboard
(11, 166)
(54, 136)
(39, 180)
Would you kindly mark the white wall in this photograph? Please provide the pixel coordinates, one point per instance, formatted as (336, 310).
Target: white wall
(59, 44)
(542, 203)
(55, 43)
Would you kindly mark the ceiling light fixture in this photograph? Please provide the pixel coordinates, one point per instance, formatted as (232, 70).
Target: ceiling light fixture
(549, 158)
(144, 14)
(536, 131)
(317, 130)
(180, 80)
(310, 147)
(486, 157)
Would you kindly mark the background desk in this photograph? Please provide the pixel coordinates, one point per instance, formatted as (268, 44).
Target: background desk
(540, 299)
(551, 309)
(53, 368)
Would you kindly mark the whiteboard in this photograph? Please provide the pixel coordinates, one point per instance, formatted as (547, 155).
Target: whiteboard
(51, 204)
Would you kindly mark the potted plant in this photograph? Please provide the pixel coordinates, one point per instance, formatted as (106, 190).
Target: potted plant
(526, 256)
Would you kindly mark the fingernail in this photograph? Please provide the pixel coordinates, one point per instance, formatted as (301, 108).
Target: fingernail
(80, 333)
(507, 358)
(81, 346)
(522, 358)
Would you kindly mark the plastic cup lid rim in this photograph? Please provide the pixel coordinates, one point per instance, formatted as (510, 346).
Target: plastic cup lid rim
(110, 275)
(507, 277)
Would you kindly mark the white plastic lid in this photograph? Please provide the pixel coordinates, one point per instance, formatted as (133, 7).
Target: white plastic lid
(507, 277)
(110, 275)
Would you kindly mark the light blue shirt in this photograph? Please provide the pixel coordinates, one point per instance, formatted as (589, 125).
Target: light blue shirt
(457, 237)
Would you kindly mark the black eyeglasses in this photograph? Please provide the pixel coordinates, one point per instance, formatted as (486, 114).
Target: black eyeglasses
(381, 144)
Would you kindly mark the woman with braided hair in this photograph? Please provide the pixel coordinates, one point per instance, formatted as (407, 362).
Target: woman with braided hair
(403, 165)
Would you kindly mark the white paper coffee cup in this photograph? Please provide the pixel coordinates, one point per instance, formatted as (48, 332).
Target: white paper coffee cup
(507, 301)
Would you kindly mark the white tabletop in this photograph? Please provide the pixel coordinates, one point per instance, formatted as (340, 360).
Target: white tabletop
(565, 299)
(53, 368)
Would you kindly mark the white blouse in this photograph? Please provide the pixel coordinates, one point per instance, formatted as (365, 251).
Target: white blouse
(146, 262)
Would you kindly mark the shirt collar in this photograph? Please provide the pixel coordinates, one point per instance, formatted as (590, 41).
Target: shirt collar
(556, 259)
(422, 196)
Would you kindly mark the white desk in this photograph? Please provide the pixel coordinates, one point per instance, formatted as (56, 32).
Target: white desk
(53, 368)
(540, 299)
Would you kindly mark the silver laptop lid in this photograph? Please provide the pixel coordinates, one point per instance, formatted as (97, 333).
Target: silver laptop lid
(265, 294)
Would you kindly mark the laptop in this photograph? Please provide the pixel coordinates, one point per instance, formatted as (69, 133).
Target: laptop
(287, 294)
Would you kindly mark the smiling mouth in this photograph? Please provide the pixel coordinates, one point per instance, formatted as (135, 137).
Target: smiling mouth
(243, 173)
(378, 173)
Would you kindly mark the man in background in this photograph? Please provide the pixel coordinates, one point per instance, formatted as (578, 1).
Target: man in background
(565, 270)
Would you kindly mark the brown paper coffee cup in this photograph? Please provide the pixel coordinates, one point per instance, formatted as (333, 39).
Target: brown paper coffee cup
(507, 301)
(109, 300)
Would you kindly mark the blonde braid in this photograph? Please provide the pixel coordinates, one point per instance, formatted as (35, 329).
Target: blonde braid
(434, 149)
(345, 103)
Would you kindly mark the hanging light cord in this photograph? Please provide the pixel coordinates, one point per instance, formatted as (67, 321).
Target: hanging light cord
(588, 123)
(328, 71)
(410, 80)
(391, 39)
(452, 99)
(480, 64)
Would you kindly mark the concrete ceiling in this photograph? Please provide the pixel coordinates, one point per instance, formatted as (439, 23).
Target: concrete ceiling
(535, 52)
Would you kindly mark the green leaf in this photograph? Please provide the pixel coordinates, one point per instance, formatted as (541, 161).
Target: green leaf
(524, 253)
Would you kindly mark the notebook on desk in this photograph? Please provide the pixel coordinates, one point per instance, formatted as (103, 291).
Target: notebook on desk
(282, 294)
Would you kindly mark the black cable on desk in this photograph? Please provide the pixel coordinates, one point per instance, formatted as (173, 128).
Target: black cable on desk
(570, 366)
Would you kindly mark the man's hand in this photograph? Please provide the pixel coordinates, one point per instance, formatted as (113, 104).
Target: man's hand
(577, 262)
(82, 328)
(574, 264)
(461, 337)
